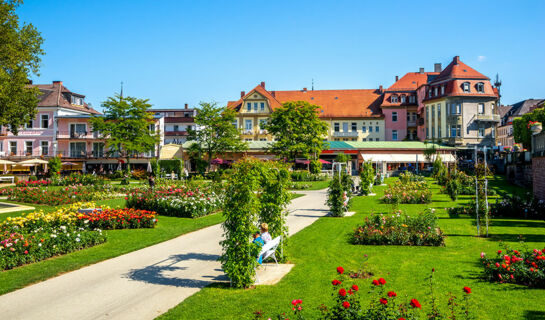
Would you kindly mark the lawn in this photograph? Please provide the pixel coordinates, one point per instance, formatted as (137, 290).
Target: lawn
(321, 247)
(119, 242)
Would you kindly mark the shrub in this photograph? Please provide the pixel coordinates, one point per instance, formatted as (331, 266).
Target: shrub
(411, 192)
(75, 179)
(303, 175)
(406, 177)
(367, 176)
(172, 165)
(315, 166)
(54, 165)
(524, 267)
(107, 219)
(453, 188)
(66, 195)
(299, 186)
(337, 197)
(517, 207)
(400, 229)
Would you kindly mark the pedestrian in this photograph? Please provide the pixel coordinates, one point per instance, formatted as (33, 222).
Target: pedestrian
(151, 181)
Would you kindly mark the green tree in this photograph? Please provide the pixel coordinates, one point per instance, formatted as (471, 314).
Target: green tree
(20, 57)
(367, 176)
(521, 132)
(298, 130)
(55, 166)
(216, 134)
(126, 126)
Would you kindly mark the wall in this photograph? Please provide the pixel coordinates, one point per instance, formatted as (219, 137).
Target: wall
(538, 172)
(400, 125)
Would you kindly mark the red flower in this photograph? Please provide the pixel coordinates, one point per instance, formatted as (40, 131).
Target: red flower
(340, 270)
(375, 282)
(350, 292)
(392, 294)
(26, 251)
(382, 281)
(346, 304)
(336, 282)
(355, 287)
(415, 304)
(342, 292)
(467, 290)
(401, 319)
(499, 251)
(383, 301)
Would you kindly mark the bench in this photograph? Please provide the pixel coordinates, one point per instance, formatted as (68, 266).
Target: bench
(269, 249)
(7, 178)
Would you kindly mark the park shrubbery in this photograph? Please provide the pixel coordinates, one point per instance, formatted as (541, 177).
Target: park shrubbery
(303, 175)
(55, 197)
(400, 229)
(78, 179)
(339, 194)
(410, 192)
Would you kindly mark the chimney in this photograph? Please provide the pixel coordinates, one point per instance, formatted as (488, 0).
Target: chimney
(242, 93)
(397, 78)
(437, 67)
(186, 106)
(263, 84)
(380, 89)
(421, 70)
(58, 82)
(304, 89)
(456, 59)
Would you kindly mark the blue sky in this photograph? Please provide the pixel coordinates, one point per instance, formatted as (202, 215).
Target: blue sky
(176, 52)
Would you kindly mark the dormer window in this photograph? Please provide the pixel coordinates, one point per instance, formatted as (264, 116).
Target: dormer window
(411, 99)
(480, 87)
(442, 90)
(429, 93)
(76, 100)
(402, 98)
(435, 91)
(394, 98)
(249, 106)
(465, 87)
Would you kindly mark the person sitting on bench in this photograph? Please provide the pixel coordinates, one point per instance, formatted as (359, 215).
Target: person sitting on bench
(265, 235)
(260, 243)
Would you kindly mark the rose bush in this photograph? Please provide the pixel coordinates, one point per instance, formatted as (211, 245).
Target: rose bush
(55, 197)
(400, 229)
(125, 218)
(409, 192)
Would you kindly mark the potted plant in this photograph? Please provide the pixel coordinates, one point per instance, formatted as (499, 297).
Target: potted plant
(535, 127)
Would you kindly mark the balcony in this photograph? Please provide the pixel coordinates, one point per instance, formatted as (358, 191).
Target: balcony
(179, 120)
(176, 133)
(97, 154)
(487, 117)
(348, 134)
(78, 135)
(411, 123)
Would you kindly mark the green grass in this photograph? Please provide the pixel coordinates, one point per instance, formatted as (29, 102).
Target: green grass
(315, 185)
(321, 247)
(119, 242)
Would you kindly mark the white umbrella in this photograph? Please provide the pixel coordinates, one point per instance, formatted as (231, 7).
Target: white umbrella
(119, 166)
(33, 162)
(149, 166)
(5, 163)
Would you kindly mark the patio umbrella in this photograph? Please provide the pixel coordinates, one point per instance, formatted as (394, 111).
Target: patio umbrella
(68, 164)
(149, 167)
(217, 161)
(5, 163)
(324, 161)
(33, 162)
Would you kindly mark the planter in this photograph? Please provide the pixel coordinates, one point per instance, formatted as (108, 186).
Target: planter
(536, 128)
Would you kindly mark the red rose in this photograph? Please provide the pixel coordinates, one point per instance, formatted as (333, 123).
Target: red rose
(342, 292)
(350, 292)
(415, 304)
(467, 290)
(340, 270)
(336, 282)
(383, 301)
(346, 304)
(355, 287)
(375, 282)
(392, 294)
(499, 251)
(382, 281)
(401, 319)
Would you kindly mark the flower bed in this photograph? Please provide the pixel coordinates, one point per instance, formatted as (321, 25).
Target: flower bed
(400, 229)
(35, 183)
(76, 179)
(177, 202)
(409, 192)
(526, 267)
(55, 197)
(117, 219)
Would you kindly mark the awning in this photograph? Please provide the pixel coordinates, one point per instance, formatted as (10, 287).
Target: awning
(403, 157)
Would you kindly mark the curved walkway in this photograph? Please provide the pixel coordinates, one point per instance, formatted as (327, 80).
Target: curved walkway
(142, 284)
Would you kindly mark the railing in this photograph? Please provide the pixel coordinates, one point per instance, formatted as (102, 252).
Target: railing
(345, 134)
(78, 135)
(98, 154)
(488, 117)
(411, 123)
(176, 133)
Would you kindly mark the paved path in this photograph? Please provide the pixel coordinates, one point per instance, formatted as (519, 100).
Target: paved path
(142, 284)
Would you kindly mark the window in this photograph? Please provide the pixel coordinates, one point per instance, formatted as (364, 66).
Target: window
(28, 147)
(408, 116)
(442, 89)
(394, 116)
(235, 123)
(262, 139)
(370, 129)
(262, 106)
(336, 127)
(435, 91)
(77, 100)
(493, 133)
(429, 93)
(458, 130)
(376, 129)
(255, 106)
(345, 126)
(364, 129)
(98, 149)
(439, 112)
(45, 121)
(354, 127)
(364, 139)
(411, 99)
(466, 87)
(262, 123)
(370, 139)
(44, 148)
(402, 98)
(377, 139)
(427, 133)
(432, 112)
(480, 108)
(249, 106)
(456, 108)
(480, 87)
(481, 132)
(394, 98)
(248, 125)
(78, 130)
(29, 125)
(394, 135)
(432, 132)
(13, 147)
(439, 132)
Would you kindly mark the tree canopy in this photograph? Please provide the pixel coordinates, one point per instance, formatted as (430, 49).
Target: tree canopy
(126, 125)
(20, 57)
(298, 130)
(521, 132)
(216, 133)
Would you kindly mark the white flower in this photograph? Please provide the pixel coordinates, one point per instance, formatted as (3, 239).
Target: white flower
(77, 239)
(39, 244)
(53, 235)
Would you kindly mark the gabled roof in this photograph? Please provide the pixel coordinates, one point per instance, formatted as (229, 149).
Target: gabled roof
(522, 107)
(354, 103)
(459, 70)
(412, 80)
(55, 95)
